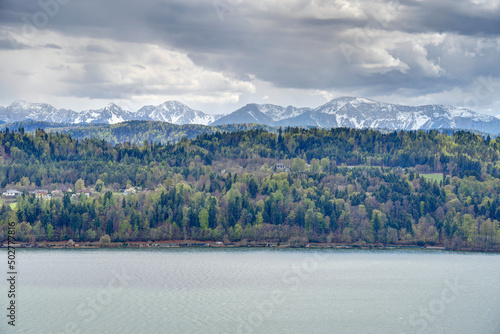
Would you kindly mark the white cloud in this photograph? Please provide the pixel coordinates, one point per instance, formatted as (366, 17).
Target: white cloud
(324, 9)
(430, 67)
(135, 53)
(139, 73)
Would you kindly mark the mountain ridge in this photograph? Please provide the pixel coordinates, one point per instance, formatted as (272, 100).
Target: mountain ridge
(358, 113)
(353, 112)
(167, 111)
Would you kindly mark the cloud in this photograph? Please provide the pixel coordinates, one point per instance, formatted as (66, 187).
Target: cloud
(8, 42)
(468, 18)
(219, 50)
(125, 73)
(98, 48)
(52, 46)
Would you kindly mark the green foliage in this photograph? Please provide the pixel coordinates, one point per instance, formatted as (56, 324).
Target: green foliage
(434, 176)
(344, 185)
(136, 132)
(105, 240)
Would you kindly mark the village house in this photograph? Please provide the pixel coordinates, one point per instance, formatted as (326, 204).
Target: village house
(41, 193)
(281, 166)
(12, 193)
(57, 194)
(129, 191)
(85, 192)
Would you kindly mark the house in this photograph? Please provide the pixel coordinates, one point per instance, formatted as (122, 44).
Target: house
(85, 192)
(40, 193)
(281, 166)
(58, 194)
(129, 191)
(12, 193)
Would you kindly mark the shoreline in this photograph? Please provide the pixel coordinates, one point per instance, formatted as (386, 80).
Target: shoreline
(213, 244)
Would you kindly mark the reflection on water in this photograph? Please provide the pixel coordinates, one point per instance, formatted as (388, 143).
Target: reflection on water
(255, 291)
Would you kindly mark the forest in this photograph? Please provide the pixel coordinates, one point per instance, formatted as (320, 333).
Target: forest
(135, 132)
(294, 186)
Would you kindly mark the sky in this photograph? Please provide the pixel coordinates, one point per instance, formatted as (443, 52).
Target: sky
(218, 55)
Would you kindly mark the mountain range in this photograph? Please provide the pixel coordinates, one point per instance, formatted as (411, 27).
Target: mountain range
(351, 112)
(170, 111)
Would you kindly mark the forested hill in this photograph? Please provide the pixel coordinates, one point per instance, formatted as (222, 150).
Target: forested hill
(294, 186)
(135, 132)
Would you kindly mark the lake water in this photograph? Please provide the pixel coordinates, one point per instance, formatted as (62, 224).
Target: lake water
(254, 291)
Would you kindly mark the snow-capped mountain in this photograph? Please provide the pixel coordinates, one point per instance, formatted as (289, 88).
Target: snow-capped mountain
(21, 111)
(247, 114)
(364, 113)
(355, 112)
(351, 112)
(110, 114)
(268, 114)
(177, 113)
(170, 111)
(278, 113)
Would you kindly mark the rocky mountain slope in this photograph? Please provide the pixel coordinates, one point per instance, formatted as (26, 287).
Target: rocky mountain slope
(353, 112)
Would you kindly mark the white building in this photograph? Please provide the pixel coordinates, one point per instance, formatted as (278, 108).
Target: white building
(129, 191)
(12, 193)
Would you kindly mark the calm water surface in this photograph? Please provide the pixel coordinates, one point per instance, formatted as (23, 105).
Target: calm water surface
(254, 291)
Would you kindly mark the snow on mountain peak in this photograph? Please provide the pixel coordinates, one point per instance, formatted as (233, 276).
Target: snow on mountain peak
(355, 112)
(177, 113)
(278, 113)
(359, 100)
(112, 107)
(20, 104)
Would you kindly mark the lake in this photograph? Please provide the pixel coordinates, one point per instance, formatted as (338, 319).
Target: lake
(253, 291)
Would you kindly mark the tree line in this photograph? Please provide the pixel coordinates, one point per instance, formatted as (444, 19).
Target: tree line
(337, 185)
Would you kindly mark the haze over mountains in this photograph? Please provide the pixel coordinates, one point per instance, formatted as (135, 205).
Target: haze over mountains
(351, 112)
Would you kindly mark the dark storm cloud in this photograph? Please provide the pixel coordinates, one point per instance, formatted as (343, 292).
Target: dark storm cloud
(52, 46)
(7, 44)
(461, 17)
(303, 48)
(98, 49)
